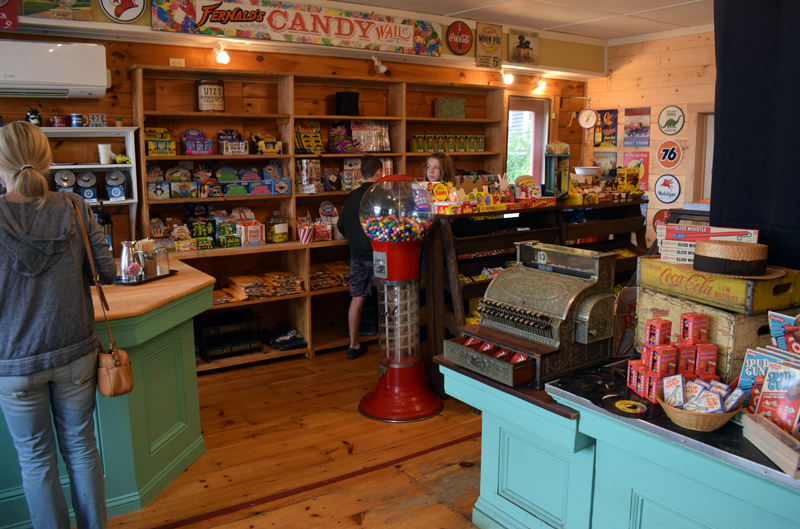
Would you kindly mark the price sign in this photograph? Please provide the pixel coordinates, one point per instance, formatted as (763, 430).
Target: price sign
(669, 154)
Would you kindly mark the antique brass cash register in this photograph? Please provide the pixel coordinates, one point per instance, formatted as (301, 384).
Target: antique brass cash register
(552, 312)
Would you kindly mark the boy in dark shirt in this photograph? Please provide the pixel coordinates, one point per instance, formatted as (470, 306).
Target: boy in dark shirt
(362, 275)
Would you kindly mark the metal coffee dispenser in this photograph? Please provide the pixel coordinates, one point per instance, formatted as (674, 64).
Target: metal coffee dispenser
(552, 313)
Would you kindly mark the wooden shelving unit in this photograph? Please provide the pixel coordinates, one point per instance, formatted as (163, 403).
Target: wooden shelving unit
(271, 102)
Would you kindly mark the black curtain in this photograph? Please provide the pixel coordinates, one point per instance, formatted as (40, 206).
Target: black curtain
(756, 182)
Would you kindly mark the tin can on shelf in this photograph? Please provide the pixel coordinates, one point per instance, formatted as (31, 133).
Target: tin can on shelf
(210, 95)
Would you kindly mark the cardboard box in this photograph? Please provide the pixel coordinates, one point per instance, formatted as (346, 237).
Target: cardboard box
(731, 332)
(737, 295)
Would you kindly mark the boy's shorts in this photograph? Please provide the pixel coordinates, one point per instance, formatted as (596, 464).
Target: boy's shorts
(362, 276)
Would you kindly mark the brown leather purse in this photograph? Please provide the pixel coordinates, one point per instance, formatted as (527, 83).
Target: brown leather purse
(114, 374)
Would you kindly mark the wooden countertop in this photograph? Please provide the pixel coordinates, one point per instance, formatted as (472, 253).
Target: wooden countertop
(537, 397)
(136, 300)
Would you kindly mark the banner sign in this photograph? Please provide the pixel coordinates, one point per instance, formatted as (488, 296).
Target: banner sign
(489, 52)
(286, 22)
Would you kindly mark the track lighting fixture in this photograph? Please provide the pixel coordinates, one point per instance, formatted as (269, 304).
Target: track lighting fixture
(538, 83)
(221, 54)
(381, 67)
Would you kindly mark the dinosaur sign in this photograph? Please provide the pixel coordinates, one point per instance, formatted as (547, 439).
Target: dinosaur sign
(671, 120)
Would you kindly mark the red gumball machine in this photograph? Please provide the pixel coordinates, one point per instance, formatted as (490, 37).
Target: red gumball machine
(396, 215)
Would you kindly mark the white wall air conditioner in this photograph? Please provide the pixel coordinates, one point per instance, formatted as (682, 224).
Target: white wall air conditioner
(50, 69)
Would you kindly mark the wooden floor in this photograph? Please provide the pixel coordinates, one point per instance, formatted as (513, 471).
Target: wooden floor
(287, 448)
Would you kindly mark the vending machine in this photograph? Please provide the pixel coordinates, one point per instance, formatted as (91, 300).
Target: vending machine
(556, 169)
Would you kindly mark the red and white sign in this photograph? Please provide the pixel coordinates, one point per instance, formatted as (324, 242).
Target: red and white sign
(669, 154)
(459, 38)
(8, 15)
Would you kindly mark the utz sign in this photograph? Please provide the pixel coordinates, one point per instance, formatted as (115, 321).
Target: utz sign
(286, 22)
(667, 189)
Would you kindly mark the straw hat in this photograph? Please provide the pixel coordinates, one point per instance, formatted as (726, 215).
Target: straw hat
(743, 260)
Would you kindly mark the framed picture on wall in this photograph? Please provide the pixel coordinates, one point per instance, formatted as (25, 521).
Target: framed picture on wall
(523, 46)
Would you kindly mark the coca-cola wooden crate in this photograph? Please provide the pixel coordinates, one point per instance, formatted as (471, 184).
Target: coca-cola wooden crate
(733, 333)
(738, 295)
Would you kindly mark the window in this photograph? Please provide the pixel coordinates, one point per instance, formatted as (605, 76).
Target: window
(527, 137)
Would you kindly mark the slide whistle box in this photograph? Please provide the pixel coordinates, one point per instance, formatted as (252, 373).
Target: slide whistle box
(657, 331)
(693, 328)
(673, 391)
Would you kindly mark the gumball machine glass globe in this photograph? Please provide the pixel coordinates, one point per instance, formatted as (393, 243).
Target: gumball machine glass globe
(396, 209)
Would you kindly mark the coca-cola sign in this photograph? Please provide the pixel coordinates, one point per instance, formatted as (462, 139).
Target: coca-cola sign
(459, 38)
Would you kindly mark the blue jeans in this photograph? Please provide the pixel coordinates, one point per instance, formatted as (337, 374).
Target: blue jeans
(27, 401)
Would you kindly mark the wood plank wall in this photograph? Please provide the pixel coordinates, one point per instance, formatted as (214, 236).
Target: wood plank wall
(676, 71)
(118, 100)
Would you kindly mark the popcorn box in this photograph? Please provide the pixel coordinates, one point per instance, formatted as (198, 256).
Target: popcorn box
(673, 391)
(693, 326)
(264, 187)
(657, 331)
(251, 233)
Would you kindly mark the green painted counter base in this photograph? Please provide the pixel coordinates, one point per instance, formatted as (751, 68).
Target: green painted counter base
(539, 470)
(146, 438)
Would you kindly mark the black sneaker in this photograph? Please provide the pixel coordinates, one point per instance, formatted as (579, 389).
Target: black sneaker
(352, 354)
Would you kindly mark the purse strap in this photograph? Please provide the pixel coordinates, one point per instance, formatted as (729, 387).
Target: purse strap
(95, 277)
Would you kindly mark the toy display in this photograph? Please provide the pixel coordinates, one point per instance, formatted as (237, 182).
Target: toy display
(307, 137)
(195, 143)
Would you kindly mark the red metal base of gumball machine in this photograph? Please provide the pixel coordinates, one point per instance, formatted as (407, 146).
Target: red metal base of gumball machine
(401, 396)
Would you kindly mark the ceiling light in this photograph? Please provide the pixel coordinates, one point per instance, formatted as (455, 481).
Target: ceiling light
(380, 66)
(538, 83)
(222, 55)
(507, 77)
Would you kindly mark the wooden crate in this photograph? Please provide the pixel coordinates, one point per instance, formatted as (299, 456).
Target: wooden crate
(731, 332)
(737, 295)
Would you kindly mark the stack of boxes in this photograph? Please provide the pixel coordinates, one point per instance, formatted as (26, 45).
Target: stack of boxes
(690, 356)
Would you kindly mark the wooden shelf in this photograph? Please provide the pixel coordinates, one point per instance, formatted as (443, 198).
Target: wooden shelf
(351, 155)
(266, 353)
(491, 241)
(231, 157)
(460, 121)
(225, 115)
(331, 339)
(238, 304)
(324, 194)
(453, 154)
(214, 199)
(345, 288)
(603, 227)
(334, 117)
(261, 248)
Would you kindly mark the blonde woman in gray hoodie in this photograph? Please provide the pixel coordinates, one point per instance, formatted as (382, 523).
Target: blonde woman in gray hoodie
(48, 358)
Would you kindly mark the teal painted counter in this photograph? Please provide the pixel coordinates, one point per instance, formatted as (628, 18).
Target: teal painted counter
(148, 437)
(540, 469)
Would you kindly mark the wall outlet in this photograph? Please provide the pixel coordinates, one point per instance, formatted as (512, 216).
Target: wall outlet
(177, 62)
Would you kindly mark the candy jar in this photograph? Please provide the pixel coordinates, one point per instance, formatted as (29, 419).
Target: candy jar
(278, 230)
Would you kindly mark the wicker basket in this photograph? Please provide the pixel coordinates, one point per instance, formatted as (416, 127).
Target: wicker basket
(699, 422)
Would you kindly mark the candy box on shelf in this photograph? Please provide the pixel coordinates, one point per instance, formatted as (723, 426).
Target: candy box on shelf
(706, 362)
(203, 243)
(687, 355)
(236, 189)
(195, 143)
(158, 190)
(161, 148)
(273, 170)
(266, 144)
(183, 189)
(657, 331)
(418, 143)
(207, 190)
(263, 187)
(693, 327)
(169, 244)
(663, 360)
(229, 241)
(186, 245)
(251, 233)
(447, 208)
(282, 186)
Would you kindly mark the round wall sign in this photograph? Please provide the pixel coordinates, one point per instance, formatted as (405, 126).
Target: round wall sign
(459, 38)
(667, 189)
(671, 120)
(123, 11)
(660, 218)
(669, 154)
